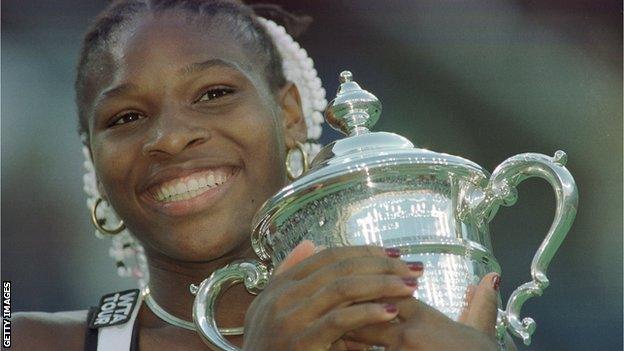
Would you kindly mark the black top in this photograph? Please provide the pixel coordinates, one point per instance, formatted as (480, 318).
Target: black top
(91, 336)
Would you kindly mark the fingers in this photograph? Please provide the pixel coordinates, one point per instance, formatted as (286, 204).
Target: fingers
(483, 308)
(302, 251)
(411, 312)
(354, 289)
(351, 266)
(329, 256)
(332, 326)
(422, 324)
(469, 295)
(355, 279)
(346, 345)
(411, 308)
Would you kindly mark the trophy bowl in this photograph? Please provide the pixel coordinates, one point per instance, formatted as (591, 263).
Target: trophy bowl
(376, 188)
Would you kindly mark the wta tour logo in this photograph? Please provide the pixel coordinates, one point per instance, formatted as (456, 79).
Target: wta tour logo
(114, 309)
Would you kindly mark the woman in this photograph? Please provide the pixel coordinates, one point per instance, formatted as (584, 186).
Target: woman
(188, 118)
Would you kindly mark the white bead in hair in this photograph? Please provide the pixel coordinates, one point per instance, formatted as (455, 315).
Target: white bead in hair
(298, 68)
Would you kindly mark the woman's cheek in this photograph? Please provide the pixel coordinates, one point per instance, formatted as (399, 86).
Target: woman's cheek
(113, 167)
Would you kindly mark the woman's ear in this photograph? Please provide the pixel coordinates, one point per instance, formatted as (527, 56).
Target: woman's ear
(293, 121)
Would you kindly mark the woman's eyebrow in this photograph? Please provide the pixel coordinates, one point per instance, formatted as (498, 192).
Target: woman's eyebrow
(119, 90)
(202, 66)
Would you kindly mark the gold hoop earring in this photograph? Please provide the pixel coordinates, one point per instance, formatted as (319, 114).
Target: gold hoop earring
(99, 223)
(304, 160)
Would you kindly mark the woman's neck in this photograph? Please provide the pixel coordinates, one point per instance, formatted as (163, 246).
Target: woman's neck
(170, 281)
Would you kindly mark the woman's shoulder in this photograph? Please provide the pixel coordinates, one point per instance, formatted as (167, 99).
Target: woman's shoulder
(49, 331)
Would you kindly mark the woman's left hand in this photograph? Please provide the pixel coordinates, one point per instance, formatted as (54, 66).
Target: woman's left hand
(423, 328)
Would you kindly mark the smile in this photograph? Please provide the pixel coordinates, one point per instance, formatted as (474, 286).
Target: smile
(191, 186)
(190, 192)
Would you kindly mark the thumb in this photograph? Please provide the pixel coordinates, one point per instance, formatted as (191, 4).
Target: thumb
(483, 308)
(302, 251)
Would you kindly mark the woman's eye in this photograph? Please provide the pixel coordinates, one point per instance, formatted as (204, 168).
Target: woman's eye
(127, 118)
(215, 94)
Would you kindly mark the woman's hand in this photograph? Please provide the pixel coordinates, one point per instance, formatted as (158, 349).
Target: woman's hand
(422, 328)
(313, 300)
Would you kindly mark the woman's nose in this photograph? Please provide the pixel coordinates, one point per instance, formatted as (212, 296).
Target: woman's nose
(172, 135)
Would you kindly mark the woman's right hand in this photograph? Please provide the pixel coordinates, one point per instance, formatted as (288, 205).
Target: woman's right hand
(312, 299)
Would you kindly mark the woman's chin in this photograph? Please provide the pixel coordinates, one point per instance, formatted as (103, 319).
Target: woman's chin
(205, 250)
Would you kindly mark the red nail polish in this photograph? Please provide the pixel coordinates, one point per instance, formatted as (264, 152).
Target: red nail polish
(393, 252)
(415, 266)
(410, 281)
(496, 282)
(390, 308)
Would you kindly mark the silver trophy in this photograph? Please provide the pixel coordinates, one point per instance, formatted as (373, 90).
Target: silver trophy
(376, 188)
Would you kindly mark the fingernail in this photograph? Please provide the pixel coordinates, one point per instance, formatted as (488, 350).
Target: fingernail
(415, 266)
(393, 252)
(390, 308)
(410, 281)
(496, 282)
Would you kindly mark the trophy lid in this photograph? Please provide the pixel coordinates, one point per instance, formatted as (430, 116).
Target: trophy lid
(346, 161)
(353, 112)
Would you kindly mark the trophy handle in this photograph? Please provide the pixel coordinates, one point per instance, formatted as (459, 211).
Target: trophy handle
(254, 274)
(501, 190)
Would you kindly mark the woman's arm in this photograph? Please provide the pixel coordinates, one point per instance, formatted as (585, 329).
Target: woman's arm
(48, 331)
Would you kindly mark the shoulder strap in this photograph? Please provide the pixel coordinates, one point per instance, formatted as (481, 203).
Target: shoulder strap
(91, 335)
(122, 336)
(134, 344)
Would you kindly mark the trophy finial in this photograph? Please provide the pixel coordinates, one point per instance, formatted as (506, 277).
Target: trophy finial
(346, 76)
(354, 110)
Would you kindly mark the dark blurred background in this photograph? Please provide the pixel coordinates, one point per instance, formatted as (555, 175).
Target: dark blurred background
(481, 79)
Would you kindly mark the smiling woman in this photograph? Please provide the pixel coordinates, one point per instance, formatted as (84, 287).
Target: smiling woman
(188, 110)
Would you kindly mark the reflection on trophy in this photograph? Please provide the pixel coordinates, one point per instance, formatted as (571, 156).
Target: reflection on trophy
(376, 188)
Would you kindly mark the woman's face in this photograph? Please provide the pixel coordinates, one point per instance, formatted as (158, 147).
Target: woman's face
(187, 138)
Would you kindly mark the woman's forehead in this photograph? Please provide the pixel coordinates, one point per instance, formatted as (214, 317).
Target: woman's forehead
(168, 42)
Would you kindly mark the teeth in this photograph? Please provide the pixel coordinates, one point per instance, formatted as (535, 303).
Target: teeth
(191, 187)
(165, 191)
(181, 188)
(186, 196)
(211, 180)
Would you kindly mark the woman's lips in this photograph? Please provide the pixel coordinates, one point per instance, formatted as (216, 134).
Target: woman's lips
(192, 193)
(192, 185)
